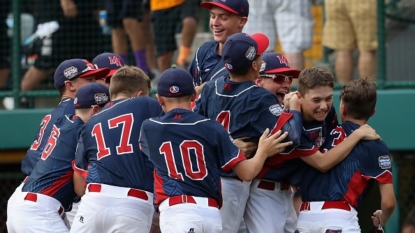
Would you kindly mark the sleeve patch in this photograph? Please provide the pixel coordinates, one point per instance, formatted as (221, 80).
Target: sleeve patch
(385, 162)
(275, 109)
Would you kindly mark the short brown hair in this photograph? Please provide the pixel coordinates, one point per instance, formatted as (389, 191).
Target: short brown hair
(359, 97)
(129, 80)
(313, 77)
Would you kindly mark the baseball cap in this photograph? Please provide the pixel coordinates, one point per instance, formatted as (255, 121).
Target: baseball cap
(241, 49)
(76, 68)
(91, 94)
(109, 60)
(239, 7)
(175, 82)
(273, 62)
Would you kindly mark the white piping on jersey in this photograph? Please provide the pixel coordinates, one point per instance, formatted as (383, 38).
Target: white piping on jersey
(216, 73)
(122, 101)
(197, 66)
(67, 118)
(230, 161)
(386, 171)
(217, 93)
(176, 123)
(319, 127)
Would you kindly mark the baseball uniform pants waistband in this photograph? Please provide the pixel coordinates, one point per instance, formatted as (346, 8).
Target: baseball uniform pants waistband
(45, 201)
(120, 192)
(322, 205)
(271, 185)
(185, 199)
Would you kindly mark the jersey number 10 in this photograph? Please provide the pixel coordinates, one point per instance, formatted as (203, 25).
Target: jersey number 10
(185, 147)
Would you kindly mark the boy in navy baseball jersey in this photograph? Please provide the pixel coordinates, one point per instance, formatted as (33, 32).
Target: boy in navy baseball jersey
(245, 110)
(49, 190)
(188, 152)
(69, 77)
(330, 199)
(111, 61)
(119, 183)
(226, 18)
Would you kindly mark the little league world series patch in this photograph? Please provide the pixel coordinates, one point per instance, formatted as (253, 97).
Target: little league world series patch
(385, 162)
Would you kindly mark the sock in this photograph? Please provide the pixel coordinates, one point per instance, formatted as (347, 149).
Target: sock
(124, 57)
(184, 53)
(141, 61)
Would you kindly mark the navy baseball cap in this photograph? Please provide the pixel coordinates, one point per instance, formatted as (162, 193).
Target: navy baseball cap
(76, 68)
(239, 7)
(273, 63)
(241, 49)
(91, 94)
(175, 82)
(109, 60)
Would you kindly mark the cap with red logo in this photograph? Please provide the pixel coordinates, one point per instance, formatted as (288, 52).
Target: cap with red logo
(76, 68)
(273, 63)
(109, 60)
(175, 82)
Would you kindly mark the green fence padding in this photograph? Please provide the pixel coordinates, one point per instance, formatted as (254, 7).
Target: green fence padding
(18, 127)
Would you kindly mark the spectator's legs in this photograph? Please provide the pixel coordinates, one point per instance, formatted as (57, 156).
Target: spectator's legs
(32, 78)
(150, 44)
(164, 61)
(367, 64)
(344, 66)
(119, 42)
(135, 32)
(4, 74)
(189, 29)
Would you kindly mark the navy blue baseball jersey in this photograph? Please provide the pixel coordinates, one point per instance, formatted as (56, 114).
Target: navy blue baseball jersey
(244, 109)
(287, 166)
(53, 173)
(350, 179)
(188, 152)
(207, 64)
(66, 106)
(111, 154)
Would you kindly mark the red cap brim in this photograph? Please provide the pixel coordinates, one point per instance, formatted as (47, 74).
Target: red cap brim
(111, 73)
(295, 73)
(99, 73)
(209, 5)
(262, 42)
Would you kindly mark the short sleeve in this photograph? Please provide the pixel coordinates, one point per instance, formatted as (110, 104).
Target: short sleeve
(376, 163)
(229, 154)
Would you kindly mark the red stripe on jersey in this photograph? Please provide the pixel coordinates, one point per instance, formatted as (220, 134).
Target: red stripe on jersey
(357, 185)
(282, 119)
(277, 160)
(81, 172)
(385, 177)
(158, 189)
(58, 184)
(227, 168)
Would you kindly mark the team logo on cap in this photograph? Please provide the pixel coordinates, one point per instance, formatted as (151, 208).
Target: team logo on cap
(228, 66)
(283, 60)
(75, 101)
(174, 89)
(100, 98)
(70, 72)
(114, 60)
(89, 66)
(263, 65)
(250, 53)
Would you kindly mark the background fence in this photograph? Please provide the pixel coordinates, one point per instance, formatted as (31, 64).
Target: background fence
(395, 70)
